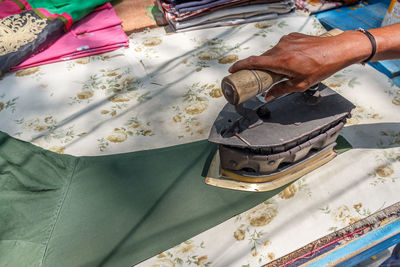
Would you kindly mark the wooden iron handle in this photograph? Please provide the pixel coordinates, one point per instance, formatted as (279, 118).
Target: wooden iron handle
(245, 84)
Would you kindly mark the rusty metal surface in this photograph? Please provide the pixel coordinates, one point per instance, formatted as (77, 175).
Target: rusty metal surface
(219, 177)
(250, 162)
(293, 121)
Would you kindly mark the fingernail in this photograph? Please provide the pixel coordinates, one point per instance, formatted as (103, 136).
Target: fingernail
(269, 98)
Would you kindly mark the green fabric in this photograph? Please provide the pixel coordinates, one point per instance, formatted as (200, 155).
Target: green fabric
(77, 9)
(114, 210)
(342, 145)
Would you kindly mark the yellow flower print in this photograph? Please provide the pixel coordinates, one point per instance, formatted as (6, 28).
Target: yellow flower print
(120, 98)
(201, 260)
(352, 121)
(288, 192)
(117, 136)
(164, 263)
(264, 24)
(341, 79)
(27, 72)
(128, 82)
(83, 60)
(239, 234)
(84, 95)
(152, 41)
(216, 93)
(48, 119)
(57, 149)
(396, 101)
(213, 49)
(228, 59)
(262, 215)
(177, 118)
(196, 107)
(343, 215)
(357, 206)
(187, 248)
(112, 74)
(195, 101)
(41, 128)
(135, 124)
(147, 132)
(1, 106)
(201, 131)
(49, 129)
(209, 54)
(132, 127)
(384, 171)
(267, 243)
(333, 85)
(360, 113)
(271, 256)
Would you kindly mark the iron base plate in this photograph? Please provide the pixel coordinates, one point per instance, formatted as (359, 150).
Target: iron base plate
(219, 177)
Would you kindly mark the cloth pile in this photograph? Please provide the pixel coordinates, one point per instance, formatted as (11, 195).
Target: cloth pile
(185, 15)
(40, 32)
(316, 6)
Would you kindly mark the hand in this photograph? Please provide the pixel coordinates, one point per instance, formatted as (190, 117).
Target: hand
(306, 60)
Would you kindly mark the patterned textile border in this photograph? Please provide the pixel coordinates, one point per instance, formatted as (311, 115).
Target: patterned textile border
(339, 238)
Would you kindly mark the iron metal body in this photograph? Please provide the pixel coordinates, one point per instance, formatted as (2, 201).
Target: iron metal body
(263, 146)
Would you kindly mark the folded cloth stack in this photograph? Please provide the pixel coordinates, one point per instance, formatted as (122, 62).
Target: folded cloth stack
(37, 32)
(98, 32)
(315, 6)
(185, 15)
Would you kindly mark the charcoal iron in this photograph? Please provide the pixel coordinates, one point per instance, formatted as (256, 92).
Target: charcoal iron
(263, 146)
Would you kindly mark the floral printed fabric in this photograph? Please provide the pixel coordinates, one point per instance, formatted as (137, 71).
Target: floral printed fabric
(165, 90)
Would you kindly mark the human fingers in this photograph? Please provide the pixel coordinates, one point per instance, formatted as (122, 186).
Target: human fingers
(260, 63)
(285, 87)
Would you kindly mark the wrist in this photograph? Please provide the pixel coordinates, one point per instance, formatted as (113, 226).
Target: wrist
(356, 46)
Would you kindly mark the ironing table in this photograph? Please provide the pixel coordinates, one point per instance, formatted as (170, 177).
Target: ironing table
(159, 96)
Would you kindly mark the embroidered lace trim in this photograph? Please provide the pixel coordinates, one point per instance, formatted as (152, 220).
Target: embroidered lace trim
(18, 30)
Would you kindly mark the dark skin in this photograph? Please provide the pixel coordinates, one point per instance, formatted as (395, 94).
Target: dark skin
(306, 60)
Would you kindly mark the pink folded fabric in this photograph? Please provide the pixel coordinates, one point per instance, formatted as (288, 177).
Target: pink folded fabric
(98, 32)
(10, 7)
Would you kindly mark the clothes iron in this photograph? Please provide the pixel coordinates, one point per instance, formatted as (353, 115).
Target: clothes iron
(263, 146)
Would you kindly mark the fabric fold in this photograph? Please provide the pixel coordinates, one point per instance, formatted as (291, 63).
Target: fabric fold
(193, 15)
(35, 25)
(236, 13)
(24, 34)
(99, 32)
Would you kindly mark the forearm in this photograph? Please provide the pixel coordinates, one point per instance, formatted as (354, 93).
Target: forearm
(387, 41)
(306, 60)
(387, 44)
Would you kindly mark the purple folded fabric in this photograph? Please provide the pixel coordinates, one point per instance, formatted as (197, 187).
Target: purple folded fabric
(211, 3)
(188, 4)
(179, 1)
